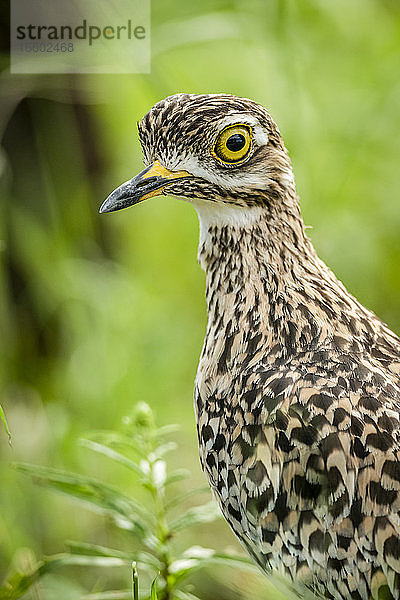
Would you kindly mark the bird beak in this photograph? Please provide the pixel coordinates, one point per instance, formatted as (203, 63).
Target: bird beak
(150, 182)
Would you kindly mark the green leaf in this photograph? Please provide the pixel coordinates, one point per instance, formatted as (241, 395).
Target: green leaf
(183, 595)
(114, 439)
(85, 549)
(97, 496)
(198, 557)
(178, 475)
(119, 440)
(161, 450)
(232, 560)
(109, 595)
(20, 583)
(5, 424)
(167, 430)
(17, 585)
(145, 559)
(206, 513)
(111, 453)
(65, 559)
(185, 496)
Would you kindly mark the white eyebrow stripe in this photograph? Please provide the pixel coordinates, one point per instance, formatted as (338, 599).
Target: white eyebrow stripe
(260, 136)
(238, 118)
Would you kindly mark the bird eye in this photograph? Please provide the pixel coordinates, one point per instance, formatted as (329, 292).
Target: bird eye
(233, 143)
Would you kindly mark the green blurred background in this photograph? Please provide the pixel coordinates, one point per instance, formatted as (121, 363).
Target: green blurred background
(99, 312)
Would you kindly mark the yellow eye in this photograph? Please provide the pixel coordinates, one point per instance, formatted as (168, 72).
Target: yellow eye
(233, 143)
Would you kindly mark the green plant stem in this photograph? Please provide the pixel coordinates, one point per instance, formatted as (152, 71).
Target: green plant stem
(163, 536)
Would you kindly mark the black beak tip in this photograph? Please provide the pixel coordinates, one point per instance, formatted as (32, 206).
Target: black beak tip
(115, 201)
(103, 208)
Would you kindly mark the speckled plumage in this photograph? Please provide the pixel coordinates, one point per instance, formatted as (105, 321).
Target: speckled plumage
(297, 395)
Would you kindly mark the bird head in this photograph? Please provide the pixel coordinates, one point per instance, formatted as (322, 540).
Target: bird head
(209, 148)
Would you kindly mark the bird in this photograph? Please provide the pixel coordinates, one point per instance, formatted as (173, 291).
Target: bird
(297, 393)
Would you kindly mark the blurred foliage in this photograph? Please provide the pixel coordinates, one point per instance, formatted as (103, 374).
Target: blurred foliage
(98, 312)
(153, 526)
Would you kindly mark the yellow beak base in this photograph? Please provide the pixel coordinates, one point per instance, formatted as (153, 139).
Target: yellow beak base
(150, 182)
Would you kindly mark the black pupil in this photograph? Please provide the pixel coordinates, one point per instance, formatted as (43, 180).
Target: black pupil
(236, 142)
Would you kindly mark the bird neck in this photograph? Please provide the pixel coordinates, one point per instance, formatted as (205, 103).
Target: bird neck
(263, 274)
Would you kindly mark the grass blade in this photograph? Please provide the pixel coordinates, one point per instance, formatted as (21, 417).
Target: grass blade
(153, 590)
(135, 582)
(5, 424)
